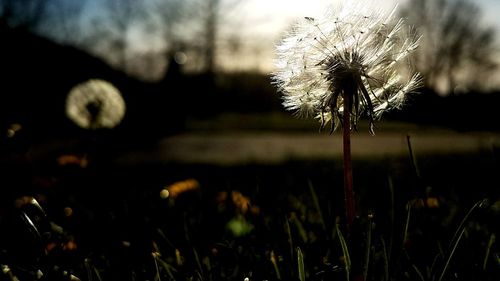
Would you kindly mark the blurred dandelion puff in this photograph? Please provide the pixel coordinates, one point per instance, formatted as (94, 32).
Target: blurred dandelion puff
(355, 57)
(95, 104)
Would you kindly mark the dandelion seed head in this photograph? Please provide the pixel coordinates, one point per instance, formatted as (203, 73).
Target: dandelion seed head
(354, 49)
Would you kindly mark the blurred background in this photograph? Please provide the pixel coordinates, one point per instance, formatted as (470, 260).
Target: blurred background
(192, 79)
(175, 62)
(104, 103)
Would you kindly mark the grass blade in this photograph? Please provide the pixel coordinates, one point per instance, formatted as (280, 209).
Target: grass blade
(345, 252)
(290, 241)
(274, 261)
(464, 220)
(168, 268)
(316, 205)
(420, 275)
(368, 248)
(446, 265)
(198, 263)
(157, 277)
(386, 259)
(392, 216)
(407, 223)
(488, 249)
(458, 236)
(91, 270)
(300, 264)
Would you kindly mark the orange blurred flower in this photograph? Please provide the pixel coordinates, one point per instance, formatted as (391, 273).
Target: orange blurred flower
(180, 187)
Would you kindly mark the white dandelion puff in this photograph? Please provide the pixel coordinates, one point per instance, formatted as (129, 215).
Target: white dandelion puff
(355, 57)
(95, 104)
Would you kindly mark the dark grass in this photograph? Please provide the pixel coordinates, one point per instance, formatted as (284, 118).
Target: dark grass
(125, 231)
(119, 220)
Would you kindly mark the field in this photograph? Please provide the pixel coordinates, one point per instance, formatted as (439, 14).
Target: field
(247, 200)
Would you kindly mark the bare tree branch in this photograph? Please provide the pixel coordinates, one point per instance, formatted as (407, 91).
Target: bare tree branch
(455, 47)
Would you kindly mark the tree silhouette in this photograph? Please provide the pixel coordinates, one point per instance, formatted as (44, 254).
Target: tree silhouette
(120, 18)
(193, 26)
(170, 19)
(456, 51)
(56, 19)
(22, 14)
(214, 16)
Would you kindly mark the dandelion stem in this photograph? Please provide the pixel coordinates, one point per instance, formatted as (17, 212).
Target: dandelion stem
(348, 189)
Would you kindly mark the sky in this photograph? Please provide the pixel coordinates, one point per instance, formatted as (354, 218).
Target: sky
(267, 20)
(275, 14)
(259, 24)
(270, 18)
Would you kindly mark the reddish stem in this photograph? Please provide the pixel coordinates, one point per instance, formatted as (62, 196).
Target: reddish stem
(348, 190)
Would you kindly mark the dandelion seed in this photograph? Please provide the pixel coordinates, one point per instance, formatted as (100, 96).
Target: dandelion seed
(354, 59)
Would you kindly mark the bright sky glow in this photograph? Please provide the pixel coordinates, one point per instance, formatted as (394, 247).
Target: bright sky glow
(275, 14)
(259, 24)
(267, 20)
(272, 16)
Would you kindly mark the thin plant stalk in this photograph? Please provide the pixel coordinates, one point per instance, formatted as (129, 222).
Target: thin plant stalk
(413, 158)
(346, 141)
